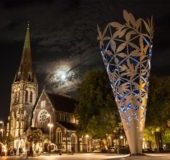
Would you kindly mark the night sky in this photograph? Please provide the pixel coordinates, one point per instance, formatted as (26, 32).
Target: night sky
(63, 36)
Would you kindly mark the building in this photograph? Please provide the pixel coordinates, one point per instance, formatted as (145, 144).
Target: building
(1, 130)
(53, 115)
(24, 93)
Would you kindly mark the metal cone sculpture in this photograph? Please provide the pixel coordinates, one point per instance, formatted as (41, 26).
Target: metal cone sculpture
(126, 51)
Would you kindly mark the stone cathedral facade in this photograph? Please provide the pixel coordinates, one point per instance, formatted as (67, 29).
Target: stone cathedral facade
(52, 114)
(24, 93)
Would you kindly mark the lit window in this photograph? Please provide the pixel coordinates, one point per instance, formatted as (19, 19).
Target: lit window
(43, 104)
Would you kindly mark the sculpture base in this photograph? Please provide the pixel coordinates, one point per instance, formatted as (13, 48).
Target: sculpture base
(138, 154)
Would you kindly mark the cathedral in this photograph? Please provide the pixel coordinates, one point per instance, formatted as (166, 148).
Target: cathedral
(52, 114)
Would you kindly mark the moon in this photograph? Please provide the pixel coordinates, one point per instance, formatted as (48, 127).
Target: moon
(63, 77)
(61, 74)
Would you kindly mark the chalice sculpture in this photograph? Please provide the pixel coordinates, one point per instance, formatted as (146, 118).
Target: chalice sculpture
(126, 50)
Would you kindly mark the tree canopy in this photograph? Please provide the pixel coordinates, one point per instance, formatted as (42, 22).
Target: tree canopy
(158, 109)
(97, 111)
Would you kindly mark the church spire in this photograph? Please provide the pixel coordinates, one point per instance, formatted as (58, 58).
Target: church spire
(27, 37)
(25, 69)
(26, 61)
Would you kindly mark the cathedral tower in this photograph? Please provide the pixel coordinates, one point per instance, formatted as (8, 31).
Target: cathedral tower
(24, 93)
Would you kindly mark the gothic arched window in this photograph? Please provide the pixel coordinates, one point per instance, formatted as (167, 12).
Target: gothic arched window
(26, 96)
(73, 139)
(43, 104)
(15, 97)
(29, 77)
(58, 136)
(18, 96)
(31, 96)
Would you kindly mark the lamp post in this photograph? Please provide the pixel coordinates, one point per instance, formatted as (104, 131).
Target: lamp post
(49, 117)
(1, 129)
(121, 141)
(87, 142)
(2, 132)
(66, 141)
(50, 125)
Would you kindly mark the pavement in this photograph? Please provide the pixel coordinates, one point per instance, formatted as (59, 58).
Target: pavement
(90, 156)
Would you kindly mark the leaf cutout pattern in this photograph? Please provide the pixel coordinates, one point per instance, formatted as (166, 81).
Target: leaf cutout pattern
(135, 53)
(122, 33)
(121, 47)
(115, 24)
(100, 36)
(126, 50)
(133, 45)
(128, 35)
(122, 55)
(138, 24)
(116, 34)
(113, 45)
(126, 16)
(132, 19)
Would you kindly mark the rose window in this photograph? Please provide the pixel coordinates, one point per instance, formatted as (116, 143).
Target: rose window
(43, 117)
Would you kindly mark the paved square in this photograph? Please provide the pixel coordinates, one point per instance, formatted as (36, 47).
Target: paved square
(91, 156)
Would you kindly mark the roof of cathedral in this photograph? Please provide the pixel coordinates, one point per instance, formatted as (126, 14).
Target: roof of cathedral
(25, 72)
(62, 102)
(69, 126)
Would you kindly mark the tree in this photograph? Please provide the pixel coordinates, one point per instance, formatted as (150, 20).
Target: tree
(34, 135)
(158, 110)
(166, 136)
(97, 111)
(8, 140)
(158, 102)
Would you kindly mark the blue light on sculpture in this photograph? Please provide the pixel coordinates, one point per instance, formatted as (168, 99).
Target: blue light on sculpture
(126, 50)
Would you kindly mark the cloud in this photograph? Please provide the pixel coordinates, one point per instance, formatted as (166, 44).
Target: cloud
(62, 33)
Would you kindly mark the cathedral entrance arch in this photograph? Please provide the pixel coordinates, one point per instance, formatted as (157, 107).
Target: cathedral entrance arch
(73, 142)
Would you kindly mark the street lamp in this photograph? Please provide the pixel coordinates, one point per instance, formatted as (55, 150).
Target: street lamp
(2, 131)
(48, 115)
(1, 127)
(87, 142)
(50, 125)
